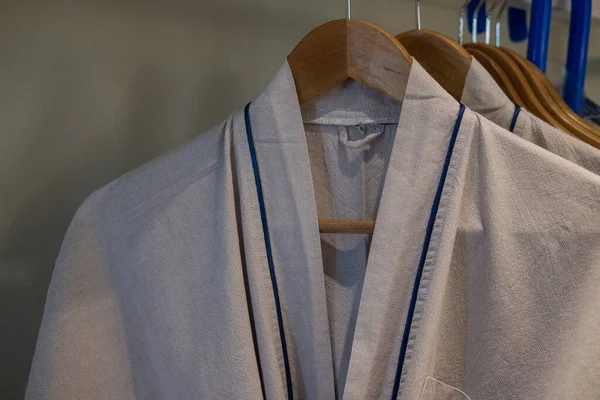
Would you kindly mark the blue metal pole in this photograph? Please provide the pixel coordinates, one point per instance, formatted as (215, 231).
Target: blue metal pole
(579, 37)
(539, 32)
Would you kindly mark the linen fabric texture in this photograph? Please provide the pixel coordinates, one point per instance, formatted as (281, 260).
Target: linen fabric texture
(162, 288)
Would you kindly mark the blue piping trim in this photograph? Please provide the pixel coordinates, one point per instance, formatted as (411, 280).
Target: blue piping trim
(265, 226)
(513, 122)
(428, 233)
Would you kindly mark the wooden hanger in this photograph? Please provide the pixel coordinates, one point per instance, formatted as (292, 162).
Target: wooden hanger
(444, 59)
(531, 102)
(349, 48)
(545, 90)
(342, 49)
(341, 226)
(498, 74)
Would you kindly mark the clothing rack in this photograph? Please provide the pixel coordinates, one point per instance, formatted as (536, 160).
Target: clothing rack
(579, 34)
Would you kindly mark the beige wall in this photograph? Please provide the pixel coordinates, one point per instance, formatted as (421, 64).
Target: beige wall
(91, 89)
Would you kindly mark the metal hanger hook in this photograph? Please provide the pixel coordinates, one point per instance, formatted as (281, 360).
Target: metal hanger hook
(418, 13)
(489, 14)
(498, 21)
(348, 9)
(462, 14)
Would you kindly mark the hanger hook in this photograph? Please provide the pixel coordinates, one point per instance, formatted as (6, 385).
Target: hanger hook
(462, 14)
(348, 9)
(499, 21)
(418, 13)
(475, 20)
(488, 19)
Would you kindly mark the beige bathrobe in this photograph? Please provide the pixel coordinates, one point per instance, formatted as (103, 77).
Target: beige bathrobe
(202, 275)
